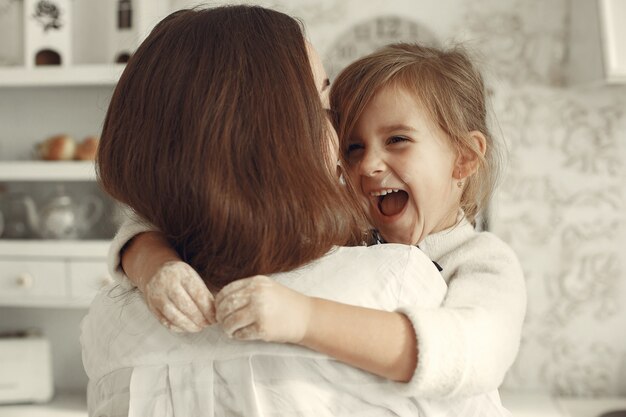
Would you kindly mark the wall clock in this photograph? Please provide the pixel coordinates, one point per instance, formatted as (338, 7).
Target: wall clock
(367, 36)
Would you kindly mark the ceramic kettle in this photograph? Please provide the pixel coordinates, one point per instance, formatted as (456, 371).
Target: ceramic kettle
(17, 211)
(61, 217)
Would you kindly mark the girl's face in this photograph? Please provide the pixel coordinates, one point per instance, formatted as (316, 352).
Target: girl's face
(323, 87)
(403, 163)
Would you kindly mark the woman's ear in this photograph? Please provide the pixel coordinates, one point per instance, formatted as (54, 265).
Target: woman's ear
(469, 158)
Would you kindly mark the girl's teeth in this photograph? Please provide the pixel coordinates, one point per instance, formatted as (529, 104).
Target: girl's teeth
(384, 192)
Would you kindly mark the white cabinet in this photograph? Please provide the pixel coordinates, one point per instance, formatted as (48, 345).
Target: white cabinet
(597, 42)
(31, 279)
(51, 273)
(47, 284)
(86, 278)
(36, 103)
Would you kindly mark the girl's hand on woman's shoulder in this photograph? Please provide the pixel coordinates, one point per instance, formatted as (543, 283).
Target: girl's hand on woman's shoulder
(179, 298)
(259, 308)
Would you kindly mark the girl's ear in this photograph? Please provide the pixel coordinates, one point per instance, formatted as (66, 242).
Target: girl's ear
(469, 158)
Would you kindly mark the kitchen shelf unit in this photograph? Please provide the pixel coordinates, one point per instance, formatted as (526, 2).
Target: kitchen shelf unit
(52, 273)
(36, 103)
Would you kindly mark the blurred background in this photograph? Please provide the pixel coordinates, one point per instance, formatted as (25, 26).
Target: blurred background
(556, 75)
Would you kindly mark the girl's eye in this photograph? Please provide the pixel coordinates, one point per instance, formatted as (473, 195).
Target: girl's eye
(397, 139)
(353, 147)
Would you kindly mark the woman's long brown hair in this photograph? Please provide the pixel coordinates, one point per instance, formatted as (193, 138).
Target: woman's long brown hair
(215, 134)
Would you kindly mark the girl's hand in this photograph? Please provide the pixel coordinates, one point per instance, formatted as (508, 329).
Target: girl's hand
(179, 298)
(259, 308)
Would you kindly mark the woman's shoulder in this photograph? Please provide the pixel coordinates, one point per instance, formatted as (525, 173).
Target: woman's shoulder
(381, 249)
(396, 255)
(365, 276)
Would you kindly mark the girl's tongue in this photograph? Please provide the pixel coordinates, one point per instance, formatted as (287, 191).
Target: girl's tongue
(393, 203)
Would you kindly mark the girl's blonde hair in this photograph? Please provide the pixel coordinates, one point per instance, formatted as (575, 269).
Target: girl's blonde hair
(449, 87)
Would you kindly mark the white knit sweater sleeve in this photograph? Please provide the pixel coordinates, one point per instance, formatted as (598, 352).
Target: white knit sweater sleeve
(467, 345)
(132, 226)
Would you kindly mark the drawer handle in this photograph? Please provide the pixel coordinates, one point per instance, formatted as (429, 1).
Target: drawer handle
(106, 280)
(25, 280)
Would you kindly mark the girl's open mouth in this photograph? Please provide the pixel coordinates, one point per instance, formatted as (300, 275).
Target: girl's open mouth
(392, 203)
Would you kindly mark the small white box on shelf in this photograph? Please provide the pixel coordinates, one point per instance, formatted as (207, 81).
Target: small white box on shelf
(26, 370)
(47, 32)
(132, 22)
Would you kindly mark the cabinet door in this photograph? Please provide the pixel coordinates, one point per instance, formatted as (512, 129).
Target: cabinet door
(24, 282)
(597, 42)
(87, 278)
(614, 34)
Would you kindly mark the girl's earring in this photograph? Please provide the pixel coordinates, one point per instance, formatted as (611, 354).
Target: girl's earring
(460, 181)
(342, 180)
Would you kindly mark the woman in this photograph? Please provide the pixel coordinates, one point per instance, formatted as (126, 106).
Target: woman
(214, 135)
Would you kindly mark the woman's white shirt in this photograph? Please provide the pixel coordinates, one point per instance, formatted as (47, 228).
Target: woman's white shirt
(136, 367)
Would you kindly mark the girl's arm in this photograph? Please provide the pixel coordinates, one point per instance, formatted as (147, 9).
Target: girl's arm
(379, 342)
(141, 257)
(130, 227)
(468, 345)
(384, 344)
(463, 347)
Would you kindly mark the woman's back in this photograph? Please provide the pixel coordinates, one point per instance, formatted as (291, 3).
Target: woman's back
(135, 364)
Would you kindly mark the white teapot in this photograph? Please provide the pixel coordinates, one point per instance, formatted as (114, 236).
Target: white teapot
(63, 218)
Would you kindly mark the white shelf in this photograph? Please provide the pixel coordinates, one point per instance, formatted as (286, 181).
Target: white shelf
(79, 75)
(47, 171)
(531, 404)
(46, 302)
(75, 249)
(62, 405)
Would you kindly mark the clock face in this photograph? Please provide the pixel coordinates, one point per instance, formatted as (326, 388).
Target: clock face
(366, 37)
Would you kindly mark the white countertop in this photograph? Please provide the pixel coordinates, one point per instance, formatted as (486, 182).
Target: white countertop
(591, 407)
(63, 405)
(531, 404)
(520, 405)
(543, 405)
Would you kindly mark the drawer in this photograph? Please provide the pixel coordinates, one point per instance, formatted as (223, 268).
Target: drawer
(32, 279)
(87, 277)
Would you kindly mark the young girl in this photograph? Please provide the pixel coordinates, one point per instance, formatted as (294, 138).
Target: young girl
(416, 148)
